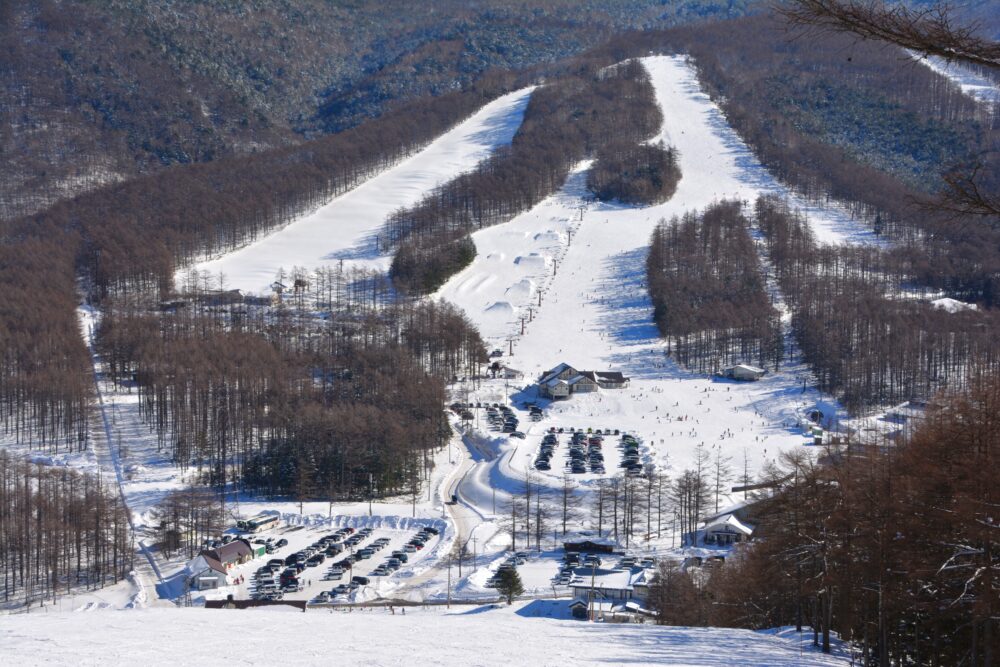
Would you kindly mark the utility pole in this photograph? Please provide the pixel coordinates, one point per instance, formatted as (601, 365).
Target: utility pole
(475, 559)
(371, 493)
(448, 602)
(522, 325)
(593, 574)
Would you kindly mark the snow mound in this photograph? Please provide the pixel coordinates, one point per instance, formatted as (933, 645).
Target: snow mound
(549, 236)
(522, 289)
(532, 261)
(953, 305)
(501, 308)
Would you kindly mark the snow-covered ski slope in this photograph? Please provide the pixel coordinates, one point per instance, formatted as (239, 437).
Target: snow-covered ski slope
(971, 83)
(344, 229)
(532, 633)
(595, 311)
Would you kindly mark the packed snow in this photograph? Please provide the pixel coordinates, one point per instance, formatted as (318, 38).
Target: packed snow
(973, 84)
(345, 229)
(536, 633)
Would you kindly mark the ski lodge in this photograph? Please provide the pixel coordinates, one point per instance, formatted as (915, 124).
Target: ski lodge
(564, 380)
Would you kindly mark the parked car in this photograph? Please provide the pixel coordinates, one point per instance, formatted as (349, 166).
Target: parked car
(360, 581)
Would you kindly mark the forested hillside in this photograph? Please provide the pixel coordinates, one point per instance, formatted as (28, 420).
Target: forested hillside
(102, 91)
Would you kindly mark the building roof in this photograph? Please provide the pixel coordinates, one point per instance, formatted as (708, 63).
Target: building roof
(556, 371)
(604, 579)
(202, 562)
(748, 367)
(611, 376)
(580, 538)
(234, 551)
(585, 375)
(729, 523)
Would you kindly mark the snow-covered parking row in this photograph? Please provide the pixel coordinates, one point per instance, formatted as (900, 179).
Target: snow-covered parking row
(314, 578)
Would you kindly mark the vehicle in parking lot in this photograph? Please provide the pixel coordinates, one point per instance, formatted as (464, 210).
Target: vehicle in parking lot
(401, 555)
(360, 581)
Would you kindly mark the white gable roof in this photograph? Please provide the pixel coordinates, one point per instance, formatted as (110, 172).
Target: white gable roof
(556, 371)
(731, 523)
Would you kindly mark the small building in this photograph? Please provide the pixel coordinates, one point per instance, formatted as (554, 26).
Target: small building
(578, 609)
(584, 383)
(230, 555)
(564, 380)
(555, 388)
(725, 530)
(561, 372)
(591, 545)
(616, 586)
(611, 380)
(743, 372)
(206, 573)
(215, 298)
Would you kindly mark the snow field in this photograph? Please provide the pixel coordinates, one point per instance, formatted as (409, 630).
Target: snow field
(536, 632)
(344, 229)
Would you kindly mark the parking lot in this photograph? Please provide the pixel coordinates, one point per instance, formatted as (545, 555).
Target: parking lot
(332, 564)
(590, 451)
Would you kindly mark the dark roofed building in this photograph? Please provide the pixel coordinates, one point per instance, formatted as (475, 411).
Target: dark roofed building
(611, 379)
(232, 554)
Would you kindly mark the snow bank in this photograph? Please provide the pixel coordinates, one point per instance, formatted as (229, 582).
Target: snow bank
(953, 305)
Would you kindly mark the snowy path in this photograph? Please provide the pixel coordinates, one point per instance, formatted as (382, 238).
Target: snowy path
(107, 449)
(345, 228)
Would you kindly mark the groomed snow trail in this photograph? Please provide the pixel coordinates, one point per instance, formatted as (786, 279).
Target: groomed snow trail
(971, 83)
(345, 228)
(588, 264)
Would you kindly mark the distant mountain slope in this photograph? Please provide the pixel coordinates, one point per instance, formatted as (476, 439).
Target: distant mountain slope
(100, 91)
